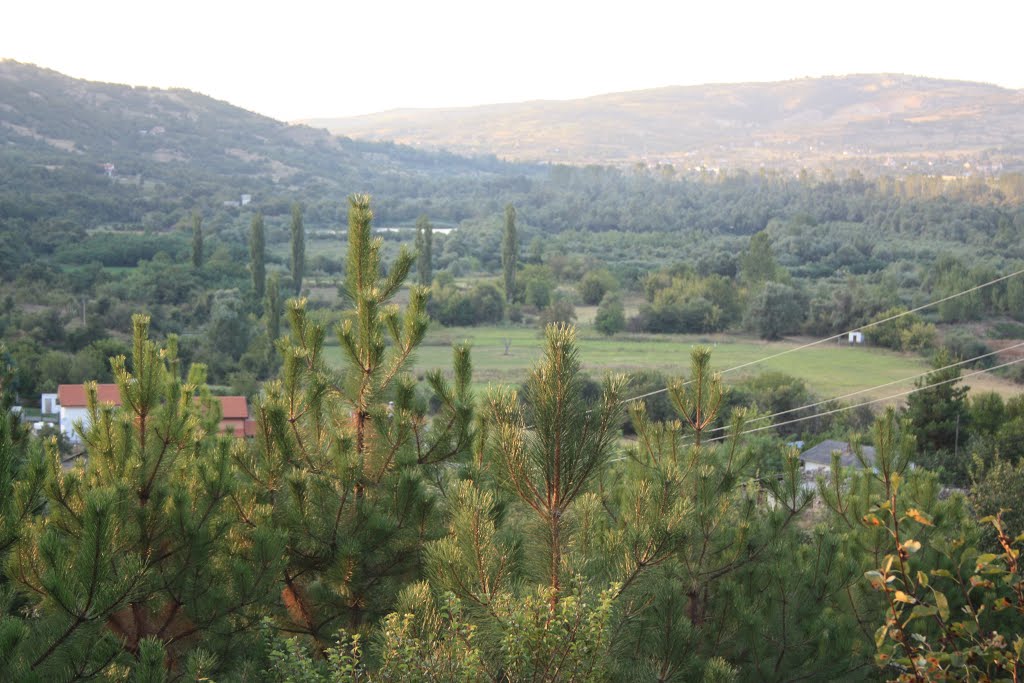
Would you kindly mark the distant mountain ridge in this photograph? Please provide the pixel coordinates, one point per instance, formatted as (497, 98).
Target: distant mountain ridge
(878, 122)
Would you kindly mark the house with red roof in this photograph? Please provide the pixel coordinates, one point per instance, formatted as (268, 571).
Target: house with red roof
(73, 408)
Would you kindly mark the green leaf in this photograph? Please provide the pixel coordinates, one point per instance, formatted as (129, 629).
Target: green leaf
(985, 559)
(942, 604)
(922, 611)
(880, 635)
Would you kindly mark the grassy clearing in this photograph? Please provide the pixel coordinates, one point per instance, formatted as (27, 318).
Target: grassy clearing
(830, 370)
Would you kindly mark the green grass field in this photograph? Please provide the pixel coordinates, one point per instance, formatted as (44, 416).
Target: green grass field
(830, 370)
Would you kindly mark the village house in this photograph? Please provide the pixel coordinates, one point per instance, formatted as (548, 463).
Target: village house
(48, 405)
(72, 402)
(819, 458)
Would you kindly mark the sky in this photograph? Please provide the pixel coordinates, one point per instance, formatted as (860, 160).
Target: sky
(302, 59)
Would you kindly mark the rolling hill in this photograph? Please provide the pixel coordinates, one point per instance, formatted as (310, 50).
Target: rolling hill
(104, 152)
(875, 122)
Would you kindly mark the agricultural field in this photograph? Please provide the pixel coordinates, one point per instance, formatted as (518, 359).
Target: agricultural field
(830, 370)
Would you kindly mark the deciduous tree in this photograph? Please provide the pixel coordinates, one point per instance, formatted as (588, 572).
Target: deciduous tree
(424, 250)
(509, 253)
(611, 316)
(197, 240)
(257, 257)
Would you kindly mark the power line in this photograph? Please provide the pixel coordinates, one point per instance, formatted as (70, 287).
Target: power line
(874, 388)
(841, 334)
(865, 403)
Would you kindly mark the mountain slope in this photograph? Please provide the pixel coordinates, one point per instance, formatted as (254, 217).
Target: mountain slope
(185, 138)
(871, 121)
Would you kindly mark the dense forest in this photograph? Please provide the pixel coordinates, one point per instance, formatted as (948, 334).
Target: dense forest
(385, 524)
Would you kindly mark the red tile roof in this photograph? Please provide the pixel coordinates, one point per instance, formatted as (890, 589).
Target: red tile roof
(73, 395)
(234, 407)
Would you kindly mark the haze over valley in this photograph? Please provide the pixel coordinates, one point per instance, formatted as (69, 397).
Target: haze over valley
(880, 123)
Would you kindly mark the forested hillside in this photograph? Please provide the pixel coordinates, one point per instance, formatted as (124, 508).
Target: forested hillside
(117, 155)
(872, 122)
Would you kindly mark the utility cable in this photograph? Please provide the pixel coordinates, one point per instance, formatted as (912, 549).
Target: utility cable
(865, 403)
(842, 334)
(839, 336)
(875, 388)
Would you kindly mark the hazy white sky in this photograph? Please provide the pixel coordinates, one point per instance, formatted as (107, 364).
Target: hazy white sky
(301, 58)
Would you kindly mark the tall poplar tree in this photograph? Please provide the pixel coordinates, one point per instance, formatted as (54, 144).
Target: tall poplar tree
(197, 240)
(257, 256)
(298, 259)
(424, 250)
(273, 307)
(509, 253)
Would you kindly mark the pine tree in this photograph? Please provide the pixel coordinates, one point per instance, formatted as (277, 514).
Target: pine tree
(138, 559)
(298, 259)
(509, 253)
(558, 628)
(257, 256)
(551, 465)
(424, 250)
(890, 506)
(197, 240)
(679, 527)
(345, 459)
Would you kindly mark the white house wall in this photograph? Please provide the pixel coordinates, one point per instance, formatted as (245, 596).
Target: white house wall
(68, 418)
